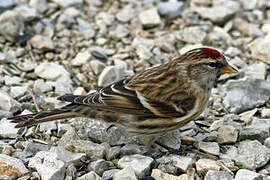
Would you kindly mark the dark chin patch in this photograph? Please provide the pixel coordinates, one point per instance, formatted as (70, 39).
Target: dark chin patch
(211, 53)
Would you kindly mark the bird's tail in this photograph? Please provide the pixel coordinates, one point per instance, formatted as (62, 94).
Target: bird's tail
(44, 116)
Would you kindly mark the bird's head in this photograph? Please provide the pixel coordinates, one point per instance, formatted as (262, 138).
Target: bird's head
(205, 65)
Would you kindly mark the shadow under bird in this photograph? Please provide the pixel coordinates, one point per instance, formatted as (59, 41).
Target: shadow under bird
(156, 100)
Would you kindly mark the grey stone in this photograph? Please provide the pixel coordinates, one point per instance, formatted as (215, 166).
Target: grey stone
(18, 91)
(7, 4)
(265, 113)
(256, 71)
(28, 13)
(143, 53)
(159, 175)
(130, 149)
(125, 14)
(219, 36)
(15, 80)
(244, 174)
(249, 5)
(7, 129)
(48, 165)
(71, 171)
(97, 66)
(63, 87)
(193, 34)
(207, 164)
(214, 175)
(91, 175)
(40, 5)
(120, 32)
(227, 134)
(11, 166)
(112, 153)
(111, 74)
(86, 29)
(260, 48)
(267, 142)
(252, 154)
(209, 147)
(253, 132)
(124, 174)
(233, 51)
(243, 95)
(53, 71)
(170, 10)
(137, 41)
(66, 156)
(140, 164)
(149, 18)
(219, 13)
(42, 42)
(11, 25)
(171, 139)
(66, 3)
(100, 166)
(35, 147)
(81, 58)
(108, 175)
(41, 86)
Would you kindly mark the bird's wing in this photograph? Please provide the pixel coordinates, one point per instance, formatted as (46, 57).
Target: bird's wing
(118, 98)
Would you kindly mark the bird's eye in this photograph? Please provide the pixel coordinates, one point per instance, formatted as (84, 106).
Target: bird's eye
(212, 64)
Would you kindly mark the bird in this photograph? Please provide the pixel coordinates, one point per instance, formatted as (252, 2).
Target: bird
(157, 100)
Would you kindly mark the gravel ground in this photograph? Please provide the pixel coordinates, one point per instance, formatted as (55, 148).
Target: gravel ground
(53, 47)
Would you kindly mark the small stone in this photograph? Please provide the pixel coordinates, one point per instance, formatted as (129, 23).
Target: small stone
(120, 32)
(256, 71)
(192, 34)
(48, 165)
(149, 18)
(7, 129)
(219, 13)
(108, 175)
(15, 80)
(253, 132)
(41, 86)
(143, 53)
(91, 175)
(10, 166)
(207, 164)
(124, 174)
(71, 171)
(170, 10)
(97, 66)
(66, 3)
(112, 153)
(171, 139)
(265, 113)
(125, 14)
(174, 163)
(7, 4)
(140, 164)
(11, 24)
(249, 5)
(18, 91)
(267, 142)
(214, 175)
(227, 134)
(63, 87)
(243, 95)
(81, 58)
(130, 149)
(35, 147)
(260, 48)
(86, 29)
(28, 13)
(42, 42)
(159, 175)
(252, 154)
(244, 174)
(148, 43)
(66, 156)
(209, 147)
(40, 5)
(53, 71)
(100, 166)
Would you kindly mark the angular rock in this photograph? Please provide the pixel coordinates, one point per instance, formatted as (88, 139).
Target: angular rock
(255, 132)
(18, 91)
(243, 95)
(42, 42)
(214, 175)
(86, 29)
(209, 147)
(252, 154)
(267, 142)
(207, 164)
(39, 5)
(124, 174)
(97, 66)
(91, 175)
(81, 58)
(149, 18)
(159, 175)
(7, 129)
(170, 10)
(7, 103)
(66, 3)
(256, 71)
(244, 174)
(227, 134)
(53, 71)
(108, 175)
(125, 14)
(193, 34)
(260, 48)
(100, 166)
(265, 113)
(48, 165)
(140, 164)
(10, 166)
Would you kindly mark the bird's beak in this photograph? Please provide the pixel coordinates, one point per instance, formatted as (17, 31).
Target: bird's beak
(228, 69)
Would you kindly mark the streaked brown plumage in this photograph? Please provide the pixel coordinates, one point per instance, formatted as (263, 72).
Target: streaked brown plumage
(156, 100)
